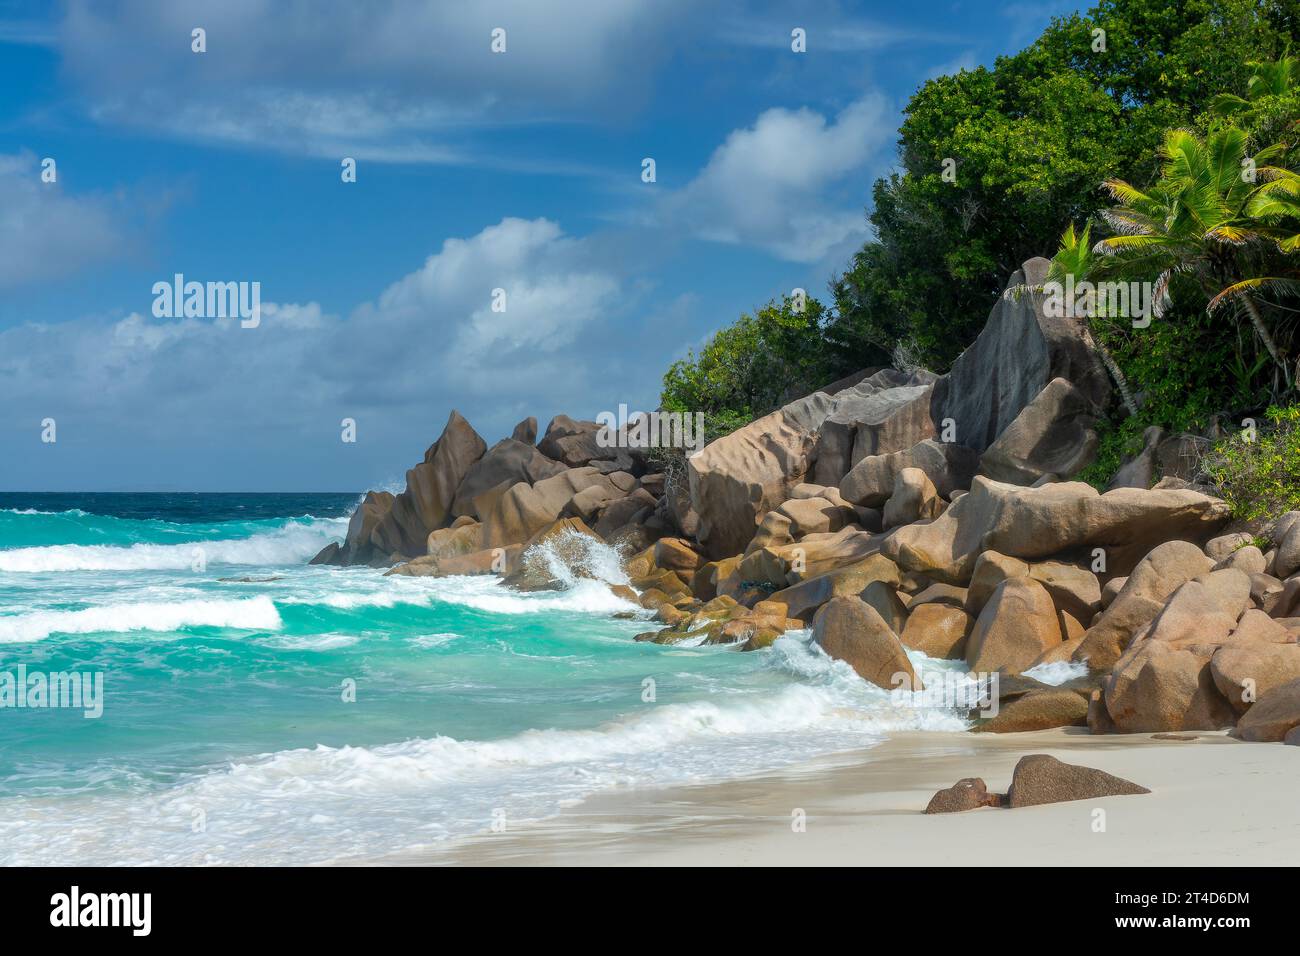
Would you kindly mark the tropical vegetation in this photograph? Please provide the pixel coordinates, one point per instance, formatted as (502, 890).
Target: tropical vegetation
(1140, 142)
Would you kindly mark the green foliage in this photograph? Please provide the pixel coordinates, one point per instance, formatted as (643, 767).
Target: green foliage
(1179, 365)
(758, 363)
(1033, 139)
(1260, 479)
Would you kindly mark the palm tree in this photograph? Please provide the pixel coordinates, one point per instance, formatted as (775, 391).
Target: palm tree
(1074, 259)
(1194, 222)
(1276, 78)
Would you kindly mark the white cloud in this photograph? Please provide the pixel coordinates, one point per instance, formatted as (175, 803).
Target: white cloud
(402, 80)
(427, 343)
(44, 231)
(553, 291)
(766, 185)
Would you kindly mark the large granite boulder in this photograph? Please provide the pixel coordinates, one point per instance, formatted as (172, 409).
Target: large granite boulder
(1245, 671)
(461, 538)
(937, 630)
(1157, 686)
(567, 542)
(815, 516)
(949, 467)
(512, 515)
(1016, 626)
(431, 486)
(1274, 716)
(578, 443)
(1146, 590)
(1055, 434)
(1287, 560)
(619, 516)
(914, 499)
(1140, 470)
(507, 462)
(588, 503)
(888, 412)
(739, 478)
(1020, 351)
(359, 545)
(1051, 519)
(526, 431)
(850, 630)
(1204, 611)
(1037, 710)
(559, 489)
(803, 599)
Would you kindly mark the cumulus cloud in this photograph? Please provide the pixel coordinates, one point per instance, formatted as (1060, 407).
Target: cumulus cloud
(767, 184)
(548, 292)
(428, 342)
(394, 80)
(45, 232)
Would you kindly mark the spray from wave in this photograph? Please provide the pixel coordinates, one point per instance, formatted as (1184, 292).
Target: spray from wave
(293, 543)
(257, 613)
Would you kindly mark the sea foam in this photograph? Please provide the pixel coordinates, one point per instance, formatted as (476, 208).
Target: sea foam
(292, 544)
(419, 792)
(258, 613)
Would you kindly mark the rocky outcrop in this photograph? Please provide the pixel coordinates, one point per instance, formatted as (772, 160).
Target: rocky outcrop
(1055, 434)
(360, 544)
(382, 527)
(888, 412)
(899, 513)
(739, 478)
(507, 462)
(1046, 521)
(1020, 351)
(949, 467)
(431, 487)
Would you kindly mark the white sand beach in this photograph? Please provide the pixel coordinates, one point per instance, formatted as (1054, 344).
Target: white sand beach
(1214, 801)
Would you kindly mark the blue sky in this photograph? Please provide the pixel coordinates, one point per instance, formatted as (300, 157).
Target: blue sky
(475, 170)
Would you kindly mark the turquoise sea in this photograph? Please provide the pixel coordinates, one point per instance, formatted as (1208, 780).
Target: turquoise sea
(231, 732)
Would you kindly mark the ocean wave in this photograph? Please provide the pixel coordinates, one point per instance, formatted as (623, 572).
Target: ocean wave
(355, 590)
(292, 543)
(309, 642)
(257, 613)
(433, 640)
(399, 796)
(585, 596)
